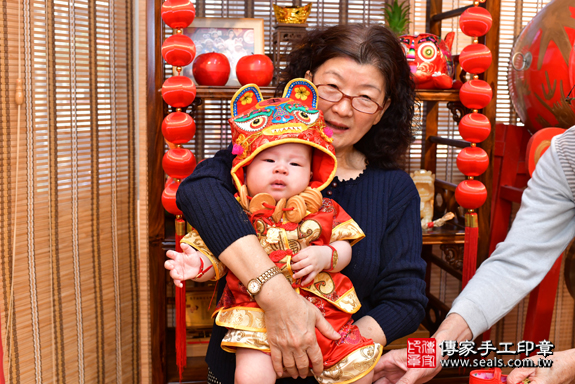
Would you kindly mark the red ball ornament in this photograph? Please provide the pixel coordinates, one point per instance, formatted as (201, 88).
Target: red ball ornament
(472, 161)
(179, 163)
(178, 128)
(178, 50)
(178, 13)
(475, 94)
(471, 194)
(475, 21)
(169, 198)
(211, 69)
(257, 69)
(179, 91)
(475, 58)
(474, 127)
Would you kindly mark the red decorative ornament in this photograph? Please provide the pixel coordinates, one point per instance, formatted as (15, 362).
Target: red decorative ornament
(178, 13)
(179, 91)
(471, 194)
(169, 198)
(475, 58)
(475, 21)
(178, 50)
(178, 128)
(257, 69)
(472, 161)
(475, 94)
(179, 163)
(211, 69)
(474, 127)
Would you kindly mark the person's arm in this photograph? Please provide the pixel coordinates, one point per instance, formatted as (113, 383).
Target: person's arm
(543, 227)
(206, 198)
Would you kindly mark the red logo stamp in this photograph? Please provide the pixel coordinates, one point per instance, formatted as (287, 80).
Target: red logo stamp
(421, 353)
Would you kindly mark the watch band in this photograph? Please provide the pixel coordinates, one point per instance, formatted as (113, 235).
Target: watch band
(268, 275)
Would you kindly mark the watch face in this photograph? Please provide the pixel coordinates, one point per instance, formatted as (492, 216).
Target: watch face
(253, 286)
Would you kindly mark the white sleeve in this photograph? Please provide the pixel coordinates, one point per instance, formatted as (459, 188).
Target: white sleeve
(542, 229)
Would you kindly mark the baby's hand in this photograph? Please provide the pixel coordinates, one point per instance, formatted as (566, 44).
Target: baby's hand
(310, 261)
(184, 265)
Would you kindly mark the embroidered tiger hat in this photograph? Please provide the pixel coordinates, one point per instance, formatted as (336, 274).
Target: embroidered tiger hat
(259, 124)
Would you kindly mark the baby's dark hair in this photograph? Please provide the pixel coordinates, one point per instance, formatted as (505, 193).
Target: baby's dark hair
(385, 144)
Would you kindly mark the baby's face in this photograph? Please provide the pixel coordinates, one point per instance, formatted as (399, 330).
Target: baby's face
(282, 171)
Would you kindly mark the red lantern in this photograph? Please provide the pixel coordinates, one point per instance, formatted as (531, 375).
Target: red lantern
(475, 58)
(475, 94)
(169, 198)
(257, 69)
(178, 128)
(211, 69)
(179, 163)
(178, 50)
(472, 161)
(178, 13)
(471, 194)
(475, 21)
(179, 91)
(474, 127)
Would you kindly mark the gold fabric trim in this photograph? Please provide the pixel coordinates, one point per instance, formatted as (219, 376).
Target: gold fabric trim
(194, 240)
(236, 338)
(242, 318)
(352, 367)
(348, 302)
(348, 230)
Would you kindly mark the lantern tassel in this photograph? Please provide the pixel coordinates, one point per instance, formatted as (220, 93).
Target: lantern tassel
(181, 353)
(470, 251)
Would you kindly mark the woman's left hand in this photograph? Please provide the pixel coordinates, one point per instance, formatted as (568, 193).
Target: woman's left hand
(561, 372)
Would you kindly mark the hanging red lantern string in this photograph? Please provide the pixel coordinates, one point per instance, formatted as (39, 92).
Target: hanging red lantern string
(178, 128)
(474, 127)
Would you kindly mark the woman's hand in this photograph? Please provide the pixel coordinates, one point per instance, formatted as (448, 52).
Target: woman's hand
(392, 369)
(561, 372)
(290, 325)
(183, 265)
(310, 261)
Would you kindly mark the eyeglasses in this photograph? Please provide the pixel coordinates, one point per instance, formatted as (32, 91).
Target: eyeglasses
(359, 103)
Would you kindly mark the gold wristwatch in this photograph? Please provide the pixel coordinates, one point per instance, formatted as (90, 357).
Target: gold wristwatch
(255, 285)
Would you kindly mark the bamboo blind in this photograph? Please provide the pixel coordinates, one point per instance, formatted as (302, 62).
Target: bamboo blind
(68, 193)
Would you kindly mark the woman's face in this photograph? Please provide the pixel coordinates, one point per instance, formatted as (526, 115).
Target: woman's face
(353, 79)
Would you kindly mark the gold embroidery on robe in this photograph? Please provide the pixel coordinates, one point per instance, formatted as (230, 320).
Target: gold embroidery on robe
(352, 367)
(348, 230)
(236, 338)
(244, 318)
(194, 240)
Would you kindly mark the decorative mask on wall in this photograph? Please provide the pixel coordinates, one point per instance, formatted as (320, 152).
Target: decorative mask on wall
(430, 60)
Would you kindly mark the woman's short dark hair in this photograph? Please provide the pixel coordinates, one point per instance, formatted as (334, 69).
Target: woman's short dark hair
(385, 144)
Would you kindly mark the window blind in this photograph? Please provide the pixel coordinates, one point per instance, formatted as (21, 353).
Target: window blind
(73, 313)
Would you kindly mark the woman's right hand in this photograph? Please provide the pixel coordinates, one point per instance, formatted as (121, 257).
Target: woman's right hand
(290, 323)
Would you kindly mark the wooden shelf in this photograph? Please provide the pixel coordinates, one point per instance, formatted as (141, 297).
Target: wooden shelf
(228, 91)
(448, 234)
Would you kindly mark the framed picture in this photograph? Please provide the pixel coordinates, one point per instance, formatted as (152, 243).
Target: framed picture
(235, 38)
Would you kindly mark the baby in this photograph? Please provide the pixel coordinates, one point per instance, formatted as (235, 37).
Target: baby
(286, 159)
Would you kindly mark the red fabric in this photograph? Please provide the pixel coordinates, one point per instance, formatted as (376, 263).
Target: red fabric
(236, 295)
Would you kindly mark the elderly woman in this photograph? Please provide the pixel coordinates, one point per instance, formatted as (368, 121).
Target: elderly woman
(366, 95)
